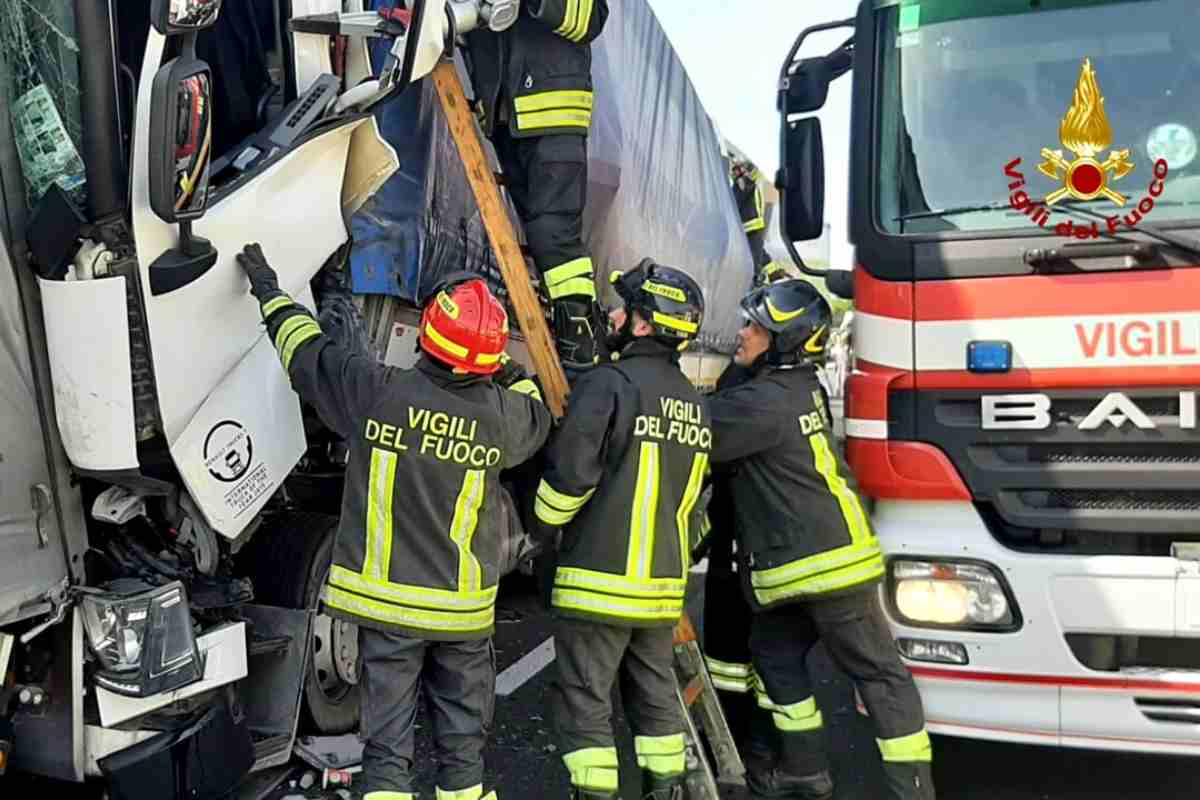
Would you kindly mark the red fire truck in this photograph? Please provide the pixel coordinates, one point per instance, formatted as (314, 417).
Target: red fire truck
(1024, 203)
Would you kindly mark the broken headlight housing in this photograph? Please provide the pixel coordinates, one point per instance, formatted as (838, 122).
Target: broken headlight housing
(142, 636)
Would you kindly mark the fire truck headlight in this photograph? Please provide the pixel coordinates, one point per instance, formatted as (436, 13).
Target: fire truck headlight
(950, 594)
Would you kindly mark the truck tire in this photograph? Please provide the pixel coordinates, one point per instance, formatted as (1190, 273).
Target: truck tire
(290, 558)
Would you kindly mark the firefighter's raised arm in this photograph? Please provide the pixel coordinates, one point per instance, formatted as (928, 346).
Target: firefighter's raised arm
(337, 382)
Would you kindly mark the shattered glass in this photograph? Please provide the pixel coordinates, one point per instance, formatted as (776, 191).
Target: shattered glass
(39, 70)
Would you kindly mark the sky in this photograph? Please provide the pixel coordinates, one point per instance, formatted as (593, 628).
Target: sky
(733, 50)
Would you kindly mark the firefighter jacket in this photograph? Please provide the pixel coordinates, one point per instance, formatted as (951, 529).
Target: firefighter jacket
(750, 202)
(802, 531)
(418, 546)
(537, 74)
(624, 472)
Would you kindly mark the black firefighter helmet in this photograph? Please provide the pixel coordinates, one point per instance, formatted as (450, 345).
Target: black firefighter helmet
(666, 297)
(796, 315)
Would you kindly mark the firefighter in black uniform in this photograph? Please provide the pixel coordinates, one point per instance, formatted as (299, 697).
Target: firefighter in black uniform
(416, 557)
(727, 615)
(808, 558)
(533, 88)
(624, 473)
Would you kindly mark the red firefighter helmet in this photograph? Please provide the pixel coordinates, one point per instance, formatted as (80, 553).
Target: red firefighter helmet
(465, 326)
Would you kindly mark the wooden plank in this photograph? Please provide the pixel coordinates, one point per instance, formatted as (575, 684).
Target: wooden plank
(503, 238)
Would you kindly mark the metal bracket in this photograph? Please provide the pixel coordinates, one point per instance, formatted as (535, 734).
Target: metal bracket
(61, 598)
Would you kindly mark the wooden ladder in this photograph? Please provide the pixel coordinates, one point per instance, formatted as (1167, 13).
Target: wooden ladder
(695, 690)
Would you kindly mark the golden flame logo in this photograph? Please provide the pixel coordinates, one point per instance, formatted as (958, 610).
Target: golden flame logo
(1085, 132)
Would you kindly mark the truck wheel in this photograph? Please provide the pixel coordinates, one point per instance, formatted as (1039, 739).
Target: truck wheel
(291, 558)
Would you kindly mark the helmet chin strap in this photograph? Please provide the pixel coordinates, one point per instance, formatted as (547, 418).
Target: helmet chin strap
(618, 341)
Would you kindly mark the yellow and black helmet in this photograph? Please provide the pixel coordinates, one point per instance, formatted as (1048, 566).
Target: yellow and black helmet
(665, 297)
(796, 315)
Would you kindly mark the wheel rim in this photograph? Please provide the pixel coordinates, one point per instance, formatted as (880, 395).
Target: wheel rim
(334, 654)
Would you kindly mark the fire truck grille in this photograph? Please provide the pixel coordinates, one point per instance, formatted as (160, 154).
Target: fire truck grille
(1118, 500)
(1113, 454)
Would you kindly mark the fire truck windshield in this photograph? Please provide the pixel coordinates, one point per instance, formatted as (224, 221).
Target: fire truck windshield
(991, 116)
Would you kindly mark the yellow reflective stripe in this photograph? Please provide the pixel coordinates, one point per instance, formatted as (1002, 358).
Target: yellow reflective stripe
(830, 582)
(389, 796)
(471, 793)
(627, 608)
(675, 324)
(421, 619)
(583, 286)
(852, 510)
(758, 195)
(735, 685)
(527, 387)
(560, 500)
(418, 596)
(274, 304)
(914, 747)
(378, 555)
(645, 508)
(295, 340)
(549, 514)
(545, 101)
(660, 754)
(569, 14)
(845, 556)
(556, 118)
(585, 20)
(593, 768)
(573, 277)
(487, 358)
(608, 583)
(444, 343)
(462, 529)
(801, 716)
(289, 326)
(754, 225)
(690, 495)
(727, 668)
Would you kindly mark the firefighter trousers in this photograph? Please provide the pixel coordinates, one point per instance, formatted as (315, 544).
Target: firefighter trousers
(457, 681)
(546, 177)
(590, 658)
(726, 632)
(859, 642)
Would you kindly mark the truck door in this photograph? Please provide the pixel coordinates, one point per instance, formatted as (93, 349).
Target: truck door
(31, 555)
(229, 415)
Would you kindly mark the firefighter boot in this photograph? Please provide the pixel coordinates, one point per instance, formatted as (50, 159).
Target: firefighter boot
(760, 744)
(909, 780)
(577, 331)
(802, 772)
(662, 787)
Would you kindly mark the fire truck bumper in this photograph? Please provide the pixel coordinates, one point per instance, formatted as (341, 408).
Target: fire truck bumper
(1094, 651)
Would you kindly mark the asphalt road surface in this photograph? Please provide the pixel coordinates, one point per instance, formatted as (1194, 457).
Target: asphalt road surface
(523, 758)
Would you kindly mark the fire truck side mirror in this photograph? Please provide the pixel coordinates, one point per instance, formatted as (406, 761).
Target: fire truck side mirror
(184, 16)
(802, 189)
(180, 139)
(180, 153)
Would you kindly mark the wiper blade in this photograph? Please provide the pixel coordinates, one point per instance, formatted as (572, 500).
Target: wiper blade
(947, 212)
(1187, 245)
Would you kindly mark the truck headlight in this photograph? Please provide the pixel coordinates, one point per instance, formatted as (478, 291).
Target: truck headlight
(951, 594)
(142, 636)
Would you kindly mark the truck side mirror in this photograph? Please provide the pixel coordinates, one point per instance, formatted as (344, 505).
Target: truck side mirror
(184, 16)
(180, 155)
(802, 195)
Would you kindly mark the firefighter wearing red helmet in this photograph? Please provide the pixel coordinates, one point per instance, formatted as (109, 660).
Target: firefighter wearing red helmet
(623, 477)
(416, 557)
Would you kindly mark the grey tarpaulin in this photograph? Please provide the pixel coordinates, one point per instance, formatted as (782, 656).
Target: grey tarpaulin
(657, 184)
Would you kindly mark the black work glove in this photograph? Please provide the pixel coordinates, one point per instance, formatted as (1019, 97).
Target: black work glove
(263, 280)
